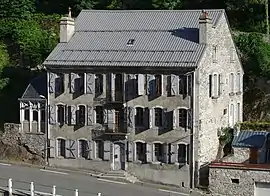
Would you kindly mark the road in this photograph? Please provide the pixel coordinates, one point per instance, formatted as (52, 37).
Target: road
(66, 182)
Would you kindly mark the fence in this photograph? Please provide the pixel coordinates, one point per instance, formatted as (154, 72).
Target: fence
(11, 190)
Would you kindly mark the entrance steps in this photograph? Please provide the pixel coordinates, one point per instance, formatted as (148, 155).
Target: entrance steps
(119, 175)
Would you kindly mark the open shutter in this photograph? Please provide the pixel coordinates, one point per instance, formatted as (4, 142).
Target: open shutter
(67, 153)
(107, 151)
(189, 118)
(67, 113)
(90, 115)
(151, 85)
(57, 83)
(72, 84)
(90, 83)
(131, 117)
(71, 149)
(52, 82)
(52, 114)
(151, 117)
(105, 116)
(146, 118)
(165, 153)
(90, 149)
(174, 85)
(130, 151)
(173, 153)
(189, 84)
(164, 118)
(149, 153)
(111, 119)
(73, 110)
(175, 118)
(112, 83)
(141, 84)
(52, 146)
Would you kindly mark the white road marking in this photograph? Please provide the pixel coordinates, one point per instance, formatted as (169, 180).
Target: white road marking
(5, 164)
(168, 191)
(43, 193)
(116, 182)
(51, 171)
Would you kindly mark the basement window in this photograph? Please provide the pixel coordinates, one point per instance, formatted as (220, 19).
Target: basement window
(235, 180)
(130, 42)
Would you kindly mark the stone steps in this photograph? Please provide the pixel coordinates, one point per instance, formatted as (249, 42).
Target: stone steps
(119, 176)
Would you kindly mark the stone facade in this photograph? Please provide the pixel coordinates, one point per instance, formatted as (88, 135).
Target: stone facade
(240, 155)
(236, 180)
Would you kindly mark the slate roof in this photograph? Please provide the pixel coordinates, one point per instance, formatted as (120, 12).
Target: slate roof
(36, 88)
(161, 39)
(249, 139)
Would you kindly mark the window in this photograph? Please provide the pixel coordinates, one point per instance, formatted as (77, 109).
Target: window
(182, 85)
(26, 114)
(158, 82)
(238, 83)
(99, 114)
(182, 153)
(98, 84)
(232, 55)
(140, 151)
(83, 149)
(99, 149)
(42, 115)
(231, 82)
(214, 85)
(158, 156)
(158, 117)
(61, 147)
(214, 54)
(183, 118)
(238, 112)
(61, 114)
(35, 115)
(139, 116)
(81, 115)
(231, 117)
(130, 42)
(80, 83)
(60, 83)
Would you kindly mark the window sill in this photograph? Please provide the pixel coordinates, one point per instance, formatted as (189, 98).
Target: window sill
(231, 94)
(215, 97)
(156, 163)
(34, 133)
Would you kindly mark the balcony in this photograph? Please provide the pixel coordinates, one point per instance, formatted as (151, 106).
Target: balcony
(115, 97)
(115, 129)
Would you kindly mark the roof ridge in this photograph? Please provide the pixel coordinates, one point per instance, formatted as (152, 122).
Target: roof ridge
(128, 11)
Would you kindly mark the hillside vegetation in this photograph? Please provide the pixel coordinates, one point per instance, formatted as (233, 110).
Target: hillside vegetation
(29, 30)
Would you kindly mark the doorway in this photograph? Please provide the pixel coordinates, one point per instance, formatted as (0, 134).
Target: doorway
(119, 156)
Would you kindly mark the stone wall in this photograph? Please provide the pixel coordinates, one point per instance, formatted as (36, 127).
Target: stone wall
(19, 146)
(240, 155)
(236, 179)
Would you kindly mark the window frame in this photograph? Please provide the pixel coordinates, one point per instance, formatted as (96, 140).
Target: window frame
(231, 83)
(185, 115)
(214, 53)
(158, 84)
(60, 105)
(140, 156)
(82, 148)
(99, 82)
(158, 152)
(184, 159)
(81, 114)
(160, 116)
(139, 120)
(61, 147)
(99, 149)
(99, 117)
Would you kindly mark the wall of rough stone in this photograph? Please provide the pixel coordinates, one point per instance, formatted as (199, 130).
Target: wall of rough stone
(240, 155)
(221, 180)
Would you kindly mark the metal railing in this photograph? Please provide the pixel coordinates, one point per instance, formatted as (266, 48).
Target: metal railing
(32, 191)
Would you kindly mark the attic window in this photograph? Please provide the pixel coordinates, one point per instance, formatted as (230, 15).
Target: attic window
(130, 42)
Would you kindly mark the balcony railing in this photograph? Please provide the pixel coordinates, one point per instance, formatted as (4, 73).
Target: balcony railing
(115, 128)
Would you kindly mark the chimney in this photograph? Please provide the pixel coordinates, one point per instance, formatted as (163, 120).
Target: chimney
(67, 27)
(205, 26)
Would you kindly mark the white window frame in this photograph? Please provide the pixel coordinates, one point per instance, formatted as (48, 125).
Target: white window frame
(95, 149)
(135, 113)
(56, 112)
(214, 53)
(154, 115)
(85, 112)
(185, 158)
(58, 152)
(95, 113)
(154, 159)
(135, 149)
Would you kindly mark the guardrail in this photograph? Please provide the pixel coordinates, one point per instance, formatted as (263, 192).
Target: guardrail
(32, 192)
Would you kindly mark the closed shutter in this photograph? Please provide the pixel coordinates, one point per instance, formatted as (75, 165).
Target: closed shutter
(90, 149)
(107, 151)
(141, 84)
(52, 114)
(146, 118)
(131, 117)
(72, 84)
(90, 115)
(52, 82)
(52, 146)
(130, 151)
(71, 147)
(90, 83)
(165, 153)
(149, 153)
(174, 85)
(73, 110)
(173, 153)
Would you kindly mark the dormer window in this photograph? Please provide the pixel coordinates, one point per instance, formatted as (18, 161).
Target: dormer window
(130, 42)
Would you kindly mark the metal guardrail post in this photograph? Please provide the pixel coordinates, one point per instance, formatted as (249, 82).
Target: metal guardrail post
(32, 191)
(54, 190)
(76, 192)
(10, 186)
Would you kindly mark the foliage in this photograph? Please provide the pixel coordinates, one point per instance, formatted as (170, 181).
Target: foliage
(19, 9)
(4, 62)
(167, 4)
(227, 136)
(255, 126)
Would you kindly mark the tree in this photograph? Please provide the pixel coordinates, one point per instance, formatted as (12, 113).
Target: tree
(18, 9)
(167, 4)
(4, 62)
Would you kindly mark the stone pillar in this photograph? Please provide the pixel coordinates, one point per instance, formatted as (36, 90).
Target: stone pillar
(39, 118)
(30, 116)
(21, 115)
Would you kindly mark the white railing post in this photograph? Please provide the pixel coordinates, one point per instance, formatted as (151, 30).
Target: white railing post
(32, 191)
(76, 192)
(54, 190)
(99, 194)
(10, 186)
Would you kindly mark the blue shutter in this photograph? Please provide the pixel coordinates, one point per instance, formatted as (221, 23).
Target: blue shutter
(51, 82)
(52, 148)
(90, 83)
(105, 116)
(52, 114)
(112, 83)
(90, 149)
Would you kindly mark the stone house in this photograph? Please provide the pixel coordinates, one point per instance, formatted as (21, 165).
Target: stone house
(143, 91)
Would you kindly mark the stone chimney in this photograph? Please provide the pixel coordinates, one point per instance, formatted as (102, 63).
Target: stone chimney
(67, 27)
(205, 27)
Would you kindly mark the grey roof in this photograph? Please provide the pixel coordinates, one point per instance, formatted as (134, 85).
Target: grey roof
(249, 139)
(162, 38)
(36, 88)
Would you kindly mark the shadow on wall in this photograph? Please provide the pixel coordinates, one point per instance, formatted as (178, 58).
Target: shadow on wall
(19, 78)
(190, 34)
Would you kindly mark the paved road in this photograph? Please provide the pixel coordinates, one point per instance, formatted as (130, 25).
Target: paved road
(67, 182)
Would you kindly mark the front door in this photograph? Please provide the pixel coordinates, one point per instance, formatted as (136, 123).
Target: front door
(119, 156)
